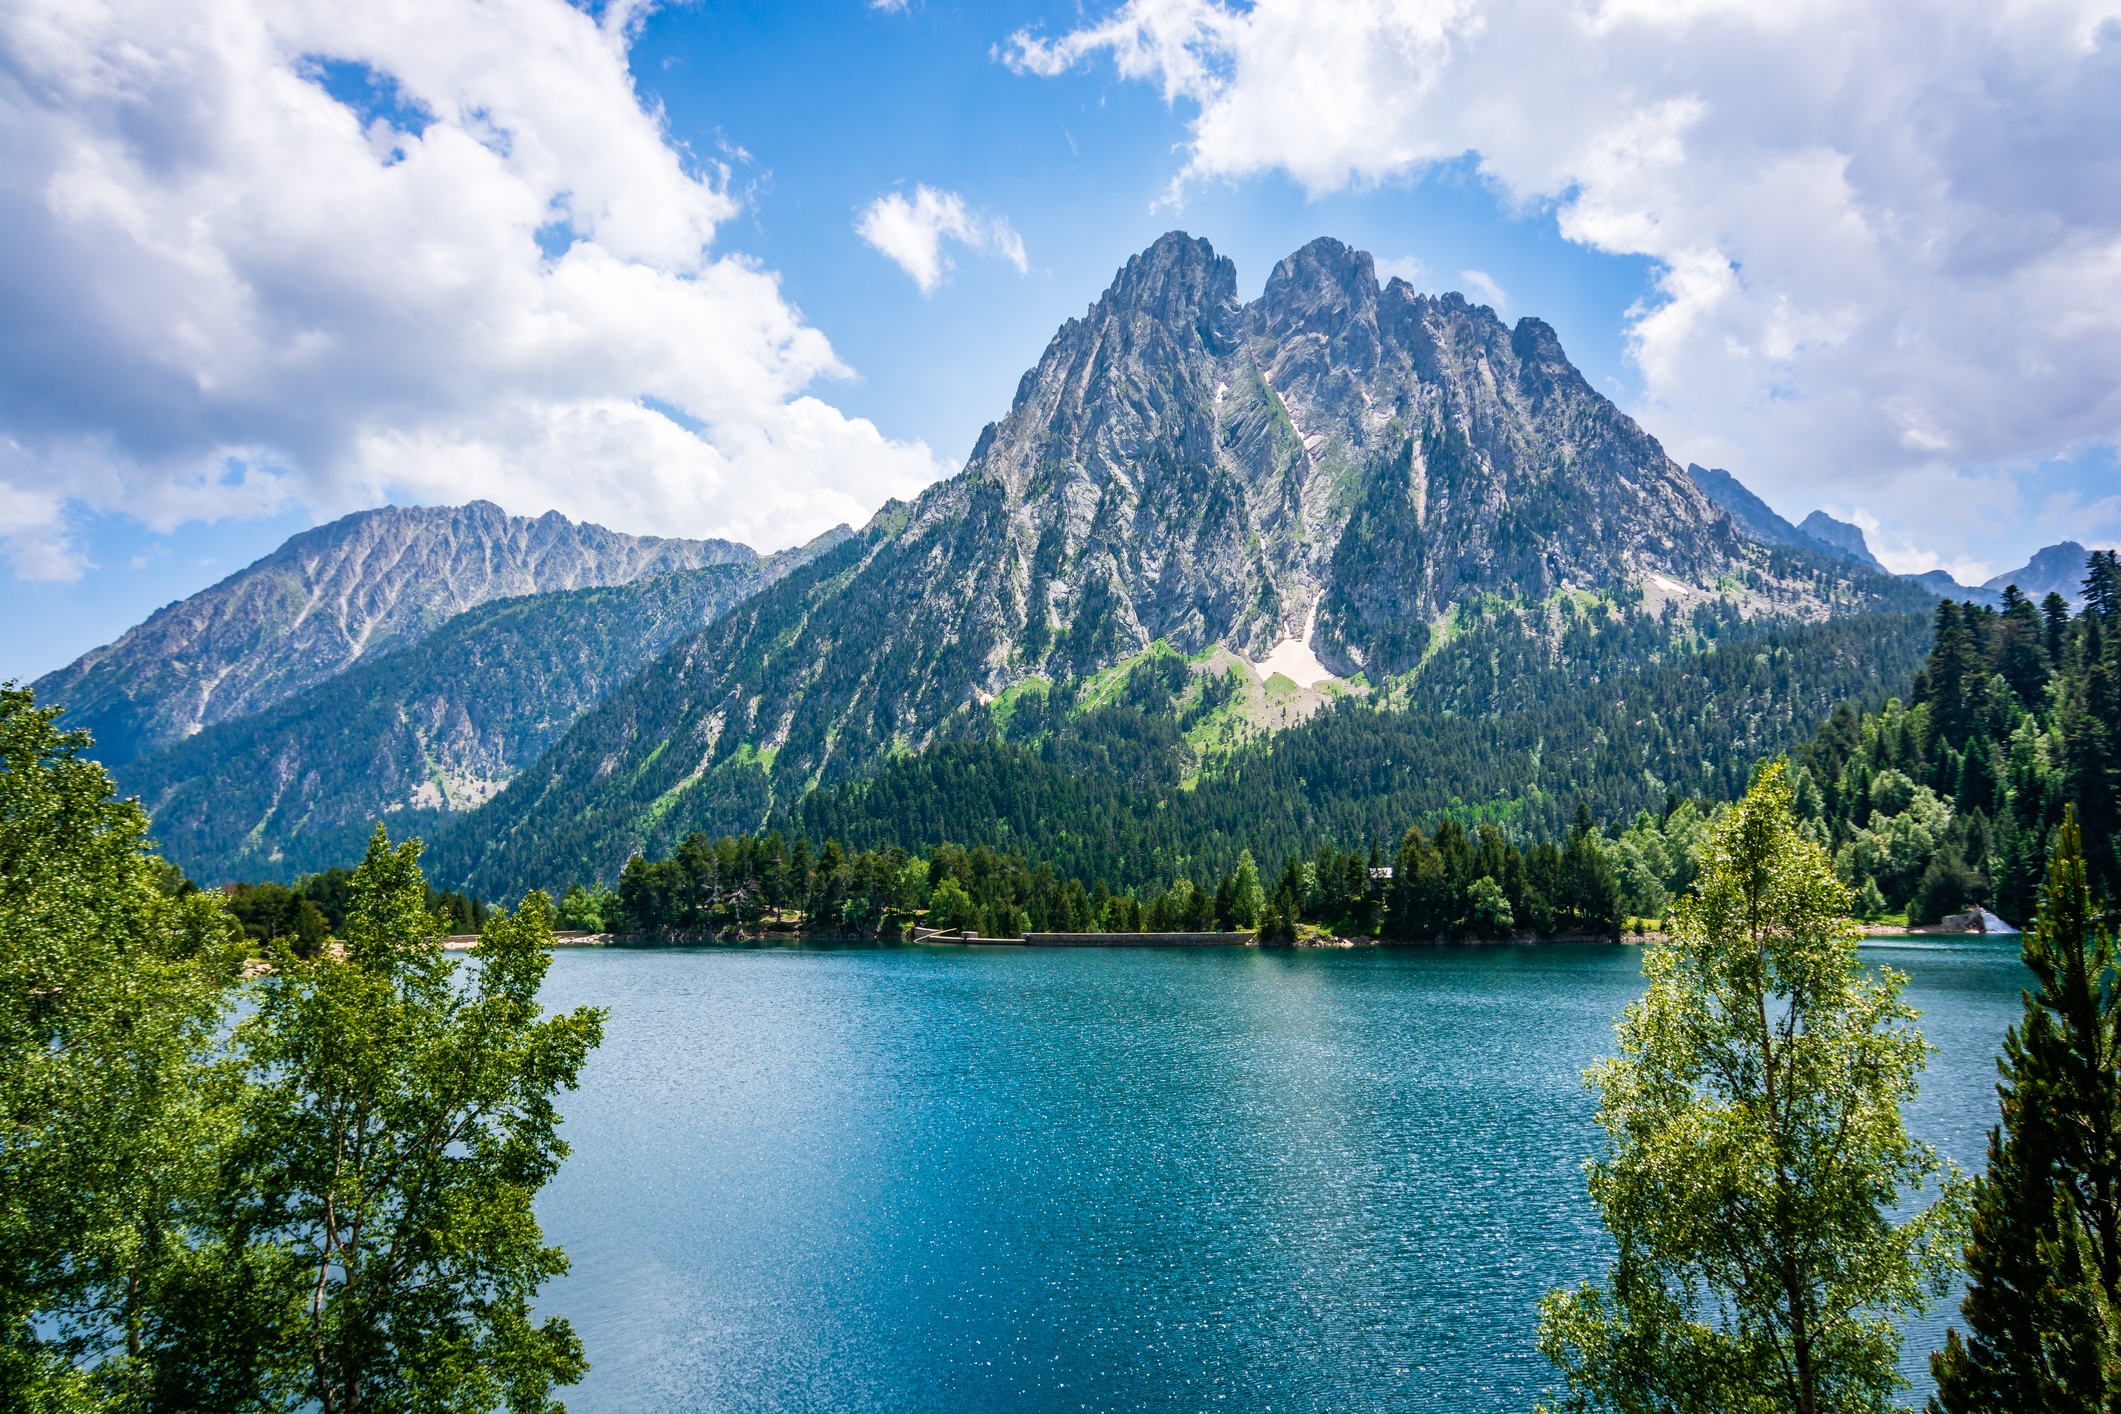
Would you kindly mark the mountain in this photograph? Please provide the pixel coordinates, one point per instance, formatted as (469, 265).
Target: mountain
(364, 584)
(2059, 569)
(412, 735)
(1332, 470)
(1753, 516)
(1823, 533)
(1842, 536)
(1758, 521)
(1941, 584)
(1499, 725)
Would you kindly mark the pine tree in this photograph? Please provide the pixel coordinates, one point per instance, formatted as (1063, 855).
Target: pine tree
(1277, 921)
(1250, 897)
(2054, 610)
(1953, 660)
(2044, 1262)
(2102, 583)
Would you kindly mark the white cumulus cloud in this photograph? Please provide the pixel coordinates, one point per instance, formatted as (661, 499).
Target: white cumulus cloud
(1484, 288)
(1401, 267)
(1887, 233)
(262, 253)
(912, 233)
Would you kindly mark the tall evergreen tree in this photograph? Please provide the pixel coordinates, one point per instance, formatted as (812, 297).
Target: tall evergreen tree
(2054, 611)
(1954, 661)
(2102, 583)
(2044, 1262)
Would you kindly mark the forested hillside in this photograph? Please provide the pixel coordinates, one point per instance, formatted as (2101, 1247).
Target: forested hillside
(1337, 468)
(1500, 725)
(1952, 798)
(413, 736)
(1093, 805)
(1090, 819)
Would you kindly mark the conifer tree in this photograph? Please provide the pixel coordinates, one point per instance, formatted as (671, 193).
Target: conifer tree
(2044, 1262)
(2102, 583)
(1250, 897)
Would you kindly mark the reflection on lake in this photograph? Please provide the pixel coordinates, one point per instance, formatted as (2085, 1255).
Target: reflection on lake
(970, 1179)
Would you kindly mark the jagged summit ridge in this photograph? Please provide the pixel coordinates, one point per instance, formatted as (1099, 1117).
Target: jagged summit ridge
(361, 585)
(1220, 472)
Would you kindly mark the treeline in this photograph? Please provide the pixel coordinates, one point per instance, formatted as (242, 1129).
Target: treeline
(749, 885)
(310, 1189)
(1454, 885)
(302, 917)
(1954, 798)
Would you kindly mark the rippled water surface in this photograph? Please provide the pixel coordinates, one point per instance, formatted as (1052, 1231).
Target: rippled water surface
(972, 1179)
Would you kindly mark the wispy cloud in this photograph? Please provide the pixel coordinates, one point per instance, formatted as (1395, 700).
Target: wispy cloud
(1481, 283)
(1402, 267)
(912, 233)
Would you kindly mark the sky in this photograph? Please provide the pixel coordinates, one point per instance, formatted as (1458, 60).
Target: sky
(749, 270)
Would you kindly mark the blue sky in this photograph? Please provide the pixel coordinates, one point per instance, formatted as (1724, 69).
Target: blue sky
(681, 188)
(1078, 165)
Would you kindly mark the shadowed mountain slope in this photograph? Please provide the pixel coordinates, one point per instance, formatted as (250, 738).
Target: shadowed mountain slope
(411, 736)
(365, 584)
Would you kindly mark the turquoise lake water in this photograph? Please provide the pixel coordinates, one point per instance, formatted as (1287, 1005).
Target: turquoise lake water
(997, 1178)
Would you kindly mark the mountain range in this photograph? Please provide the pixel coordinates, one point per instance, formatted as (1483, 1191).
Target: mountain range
(1206, 532)
(1758, 521)
(361, 586)
(2058, 569)
(437, 727)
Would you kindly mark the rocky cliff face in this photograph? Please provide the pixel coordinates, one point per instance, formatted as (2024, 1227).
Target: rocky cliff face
(1841, 536)
(1336, 463)
(362, 585)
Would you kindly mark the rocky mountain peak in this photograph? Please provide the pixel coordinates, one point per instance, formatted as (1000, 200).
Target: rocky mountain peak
(1137, 365)
(1180, 285)
(1842, 536)
(1325, 292)
(1335, 460)
(361, 585)
(2057, 569)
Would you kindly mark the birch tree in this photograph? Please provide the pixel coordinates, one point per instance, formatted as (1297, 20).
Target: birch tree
(1756, 1155)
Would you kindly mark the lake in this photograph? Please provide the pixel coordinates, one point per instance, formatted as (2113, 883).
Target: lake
(996, 1178)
